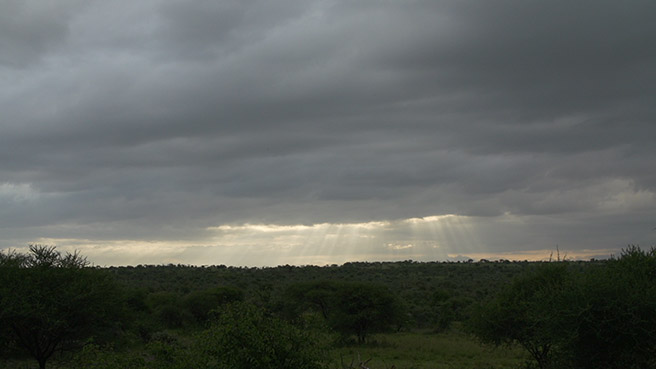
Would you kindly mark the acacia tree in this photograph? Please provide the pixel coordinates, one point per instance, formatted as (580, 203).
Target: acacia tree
(532, 312)
(365, 308)
(318, 296)
(51, 301)
(350, 308)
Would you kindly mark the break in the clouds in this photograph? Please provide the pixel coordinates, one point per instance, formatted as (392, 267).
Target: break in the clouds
(257, 132)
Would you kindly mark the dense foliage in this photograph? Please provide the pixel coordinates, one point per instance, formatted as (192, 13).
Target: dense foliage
(433, 294)
(50, 301)
(567, 317)
(349, 308)
(574, 314)
(244, 337)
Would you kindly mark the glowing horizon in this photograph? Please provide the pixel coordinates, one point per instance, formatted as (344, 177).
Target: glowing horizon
(431, 238)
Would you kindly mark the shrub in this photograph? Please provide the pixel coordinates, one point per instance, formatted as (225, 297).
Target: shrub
(243, 336)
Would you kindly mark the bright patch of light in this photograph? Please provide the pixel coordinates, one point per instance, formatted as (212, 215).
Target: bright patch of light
(432, 238)
(274, 228)
(396, 246)
(430, 219)
(427, 238)
(265, 228)
(420, 238)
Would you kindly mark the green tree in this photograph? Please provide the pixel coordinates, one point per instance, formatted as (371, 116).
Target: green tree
(200, 303)
(365, 308)
(245, 337)
(318, 296)
(50, 301)
(167, 308)
(533, 312)
(616, 314)
(601, 316)
(350, 308)
(444, 307)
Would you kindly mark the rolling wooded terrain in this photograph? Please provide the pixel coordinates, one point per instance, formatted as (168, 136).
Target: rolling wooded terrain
(57, 309)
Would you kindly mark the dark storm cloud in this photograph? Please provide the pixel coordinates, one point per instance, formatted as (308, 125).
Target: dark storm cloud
(162, 118)
(31, 29)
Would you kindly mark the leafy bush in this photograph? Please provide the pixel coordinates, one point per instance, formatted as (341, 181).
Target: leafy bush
(245, 337)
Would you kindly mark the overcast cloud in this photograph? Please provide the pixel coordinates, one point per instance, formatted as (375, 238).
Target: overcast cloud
(257, 132)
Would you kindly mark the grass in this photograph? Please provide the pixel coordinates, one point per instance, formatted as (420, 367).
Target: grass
(453, 349)
(424, 350)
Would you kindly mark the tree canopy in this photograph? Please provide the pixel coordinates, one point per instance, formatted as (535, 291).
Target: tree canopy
(51, 301)
(565, 317)
(243, 336)
(351, 308)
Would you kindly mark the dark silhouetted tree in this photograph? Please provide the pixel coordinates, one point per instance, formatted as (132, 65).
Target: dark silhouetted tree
(200, 303)
(601, 316)
(350, 308)
(528, 312)
(51, 301)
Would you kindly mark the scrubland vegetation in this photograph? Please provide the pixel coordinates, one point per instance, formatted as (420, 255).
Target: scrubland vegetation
(59, 312)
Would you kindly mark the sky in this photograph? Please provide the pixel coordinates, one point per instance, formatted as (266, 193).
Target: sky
(263, 133)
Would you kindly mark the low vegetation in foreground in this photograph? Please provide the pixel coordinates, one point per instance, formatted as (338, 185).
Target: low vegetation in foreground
(57, 311)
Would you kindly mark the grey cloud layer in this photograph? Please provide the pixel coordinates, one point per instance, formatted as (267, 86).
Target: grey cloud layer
(137, 118)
